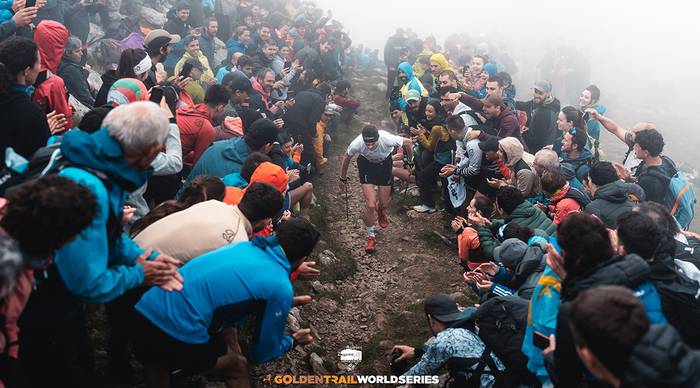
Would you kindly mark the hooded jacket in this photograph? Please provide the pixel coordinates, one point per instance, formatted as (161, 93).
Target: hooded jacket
(610, 202)
(527, 214)
(541, 122)
(51, 93)
(631, 271)
(225, 287)
(661, 359)
(75, 78)
(564, 202)
(24, 126)
(221, 158)
(412, 84)
(523, 177)
(526, 264)
(97, 266)
(593, 126)
(196, 132)
(176, 26)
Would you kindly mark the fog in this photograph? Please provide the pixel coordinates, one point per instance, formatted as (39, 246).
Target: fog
(644, 56)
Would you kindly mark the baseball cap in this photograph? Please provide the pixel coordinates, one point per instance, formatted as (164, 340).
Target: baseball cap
(370, 134)
(159, 38)
(543, 86)
(195, 63)
(443, 308)
(510, 252)
(412, 95)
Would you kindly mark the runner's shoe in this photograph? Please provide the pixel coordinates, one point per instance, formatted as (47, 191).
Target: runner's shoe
(382, 218)
(424, 209)
(371, 244)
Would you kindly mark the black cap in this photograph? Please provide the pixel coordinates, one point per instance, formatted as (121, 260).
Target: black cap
(490, 144)
(370, 134)
(236, 80)
(195, 63)
(444, 309)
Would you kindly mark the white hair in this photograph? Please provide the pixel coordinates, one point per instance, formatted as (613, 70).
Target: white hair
(137, 126)
(548, 159)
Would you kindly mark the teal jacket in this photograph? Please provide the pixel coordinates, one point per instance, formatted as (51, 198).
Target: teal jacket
(92, 267)
(221, 158)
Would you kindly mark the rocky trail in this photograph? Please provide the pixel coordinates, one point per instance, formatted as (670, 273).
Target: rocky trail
(367, 301)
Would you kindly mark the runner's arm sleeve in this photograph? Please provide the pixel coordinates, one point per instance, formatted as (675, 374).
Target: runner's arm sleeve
(272, 343)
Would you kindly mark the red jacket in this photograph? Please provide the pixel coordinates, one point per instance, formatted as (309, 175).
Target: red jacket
(196, 132)
(561, 207)
(344, 101)
(51, 93)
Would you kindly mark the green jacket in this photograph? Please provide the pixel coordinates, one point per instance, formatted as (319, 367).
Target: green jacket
(527, 214)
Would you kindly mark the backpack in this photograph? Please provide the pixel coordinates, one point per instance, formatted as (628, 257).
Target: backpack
(501, 325)
(680, 198)
(681, 306)
(43, 157)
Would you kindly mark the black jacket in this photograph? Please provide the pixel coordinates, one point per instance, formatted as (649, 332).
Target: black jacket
(565, 368)
(610, 202)
(176, 26)
(541, 123)
(108, 79)
(306, 111)
(661, 359)
(23, 127)
(75, 78)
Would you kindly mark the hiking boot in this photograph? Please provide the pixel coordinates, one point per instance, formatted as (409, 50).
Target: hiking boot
(424, 209)
(371, 244)
(382, 219)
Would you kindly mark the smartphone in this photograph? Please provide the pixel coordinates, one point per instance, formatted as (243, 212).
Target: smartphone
(186, 70)
(287, 64)
(540, 340)
(156, 95)
(30, 3)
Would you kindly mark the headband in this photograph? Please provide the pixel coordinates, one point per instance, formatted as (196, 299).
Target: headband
(143, 66)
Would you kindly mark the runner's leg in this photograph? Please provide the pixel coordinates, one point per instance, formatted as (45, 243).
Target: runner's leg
(370, 214)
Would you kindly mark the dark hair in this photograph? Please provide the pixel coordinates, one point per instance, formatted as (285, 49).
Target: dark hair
(595, 93)
(436, 105)
(324, 88)
(552, 180)
(494, 101)
(263, 72)
(497, 79)
(575, 116)
(92, 120)
(182, 5)
(251, 163)
(484, 206)
(641, 235)
(200, 189)
(269, 42)
(261, 200)
(298, 237)
(239, 31)
(284, 137)
(584, 241)
(191, 38)
(16, 54)
(449, 73)
(504, 77)
(46, 213)
(342, 85)
(579, 137)
(455, 122)
(127, 60)
(513, 230)
(244, 61)
(660, 214)
(610, 321)
(264, 25)
(260, 133)
(216, 95)
(602, 173)
(447, 90)
(508, 198)
(651, 141)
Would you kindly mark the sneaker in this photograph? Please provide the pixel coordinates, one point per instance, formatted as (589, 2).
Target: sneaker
(382, 218)
(424, 209)
(371, 244)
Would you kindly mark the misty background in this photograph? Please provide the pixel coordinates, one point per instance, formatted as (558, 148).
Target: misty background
(644, 56)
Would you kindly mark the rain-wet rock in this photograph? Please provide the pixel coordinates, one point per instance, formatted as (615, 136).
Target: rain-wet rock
(327, 258)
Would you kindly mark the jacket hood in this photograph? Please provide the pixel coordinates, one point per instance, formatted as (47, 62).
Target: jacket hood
(236, 150)
(271, 173)
(234, 180)
(274, 250)
(406, 68)
(661, 359)
(101, 152)
(616, 192)
(513, 149)
(628, 271)
(51, 37)
(199, 110)
(441, 60)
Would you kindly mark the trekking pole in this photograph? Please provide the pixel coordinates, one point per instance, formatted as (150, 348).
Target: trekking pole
(347, 208)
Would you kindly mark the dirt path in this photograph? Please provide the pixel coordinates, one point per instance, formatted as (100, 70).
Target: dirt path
(361, 300)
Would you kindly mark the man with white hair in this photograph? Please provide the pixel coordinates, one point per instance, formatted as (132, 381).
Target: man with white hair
(548, 160)
(101, 263)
